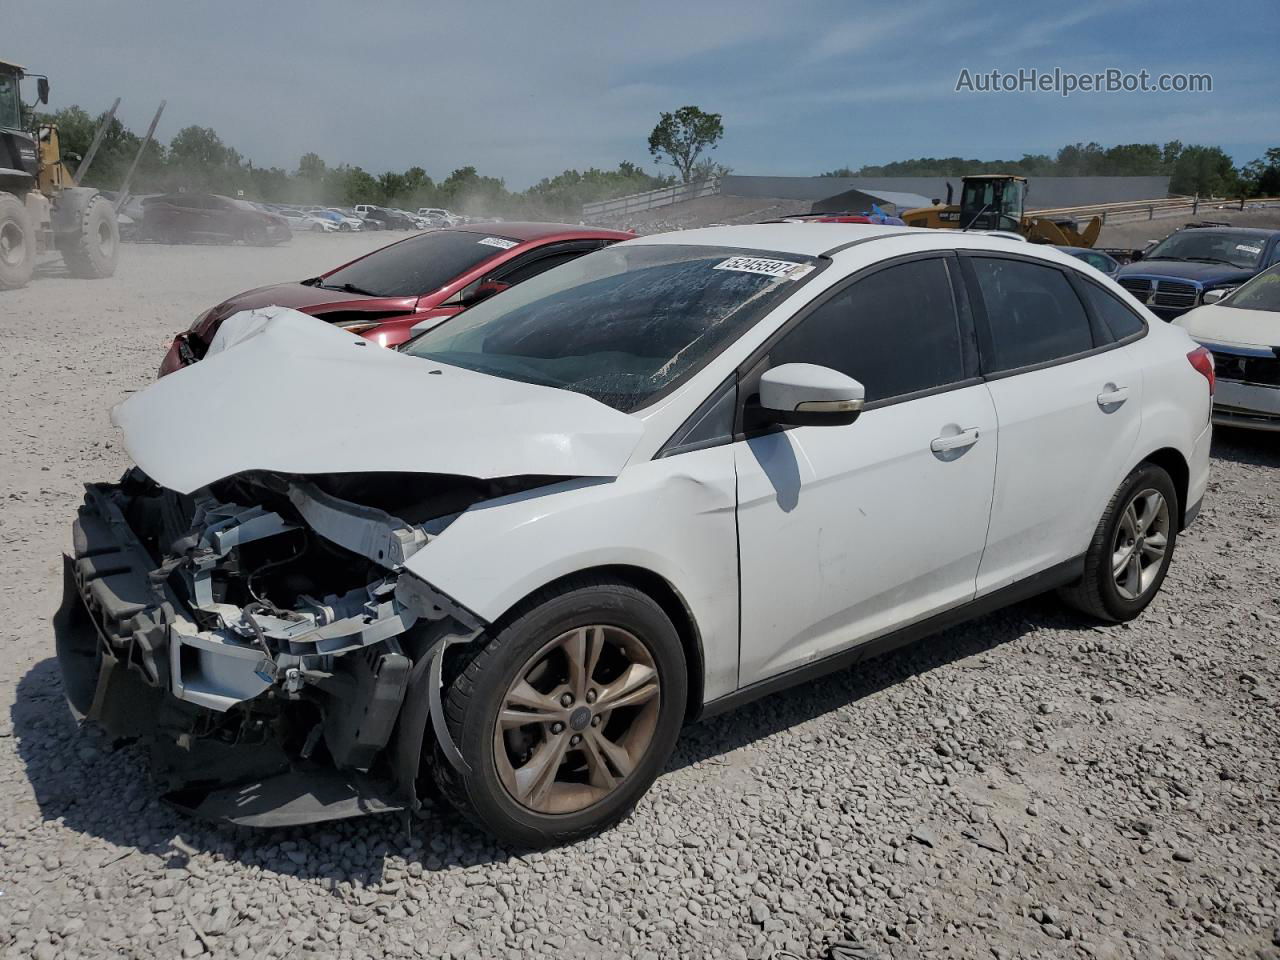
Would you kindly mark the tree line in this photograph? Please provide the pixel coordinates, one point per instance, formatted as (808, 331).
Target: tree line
(197, 160)
(1194, 169)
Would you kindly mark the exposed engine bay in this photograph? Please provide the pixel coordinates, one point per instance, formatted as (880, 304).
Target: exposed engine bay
(262, 636)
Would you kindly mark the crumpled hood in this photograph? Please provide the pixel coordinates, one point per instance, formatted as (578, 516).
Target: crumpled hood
(282, 391)
(1232, 326)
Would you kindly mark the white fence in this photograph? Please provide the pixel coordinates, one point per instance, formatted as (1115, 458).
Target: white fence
(652, 198)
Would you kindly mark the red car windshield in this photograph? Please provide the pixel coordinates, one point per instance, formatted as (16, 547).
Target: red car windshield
(418, 265)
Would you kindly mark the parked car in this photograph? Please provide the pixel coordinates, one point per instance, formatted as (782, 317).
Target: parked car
(1100, 261)
(1174, 275)
(685, 471)
(389, 219)
(346, 222)
(1242, 329)
(299, 220)
(439, 217)
(178, 217)
(425, 279)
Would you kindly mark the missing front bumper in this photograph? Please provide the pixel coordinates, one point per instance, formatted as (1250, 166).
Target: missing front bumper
(232, 737)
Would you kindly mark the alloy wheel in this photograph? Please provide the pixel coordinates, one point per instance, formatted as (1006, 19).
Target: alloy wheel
(1141, 541)
(577, 719)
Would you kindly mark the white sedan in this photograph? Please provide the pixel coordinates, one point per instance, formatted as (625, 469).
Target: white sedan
(300, 220)
(1243, 331)
(645, 486)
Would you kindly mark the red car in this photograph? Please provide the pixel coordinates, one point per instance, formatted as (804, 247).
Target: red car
(383, 294)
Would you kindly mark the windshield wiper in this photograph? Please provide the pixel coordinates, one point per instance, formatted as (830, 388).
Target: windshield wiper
(1229, 263)
(348, 288)
(1166, 257)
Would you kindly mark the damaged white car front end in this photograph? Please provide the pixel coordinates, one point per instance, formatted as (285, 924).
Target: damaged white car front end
(257, 626)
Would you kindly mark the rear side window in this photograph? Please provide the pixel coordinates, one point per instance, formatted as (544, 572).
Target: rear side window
(1033, 314)
(1116, 318)
(896, 332)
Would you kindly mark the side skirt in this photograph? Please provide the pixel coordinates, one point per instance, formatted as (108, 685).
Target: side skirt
(1056, 576)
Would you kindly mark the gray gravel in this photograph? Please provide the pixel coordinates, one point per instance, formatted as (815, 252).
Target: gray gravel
(1030, 785)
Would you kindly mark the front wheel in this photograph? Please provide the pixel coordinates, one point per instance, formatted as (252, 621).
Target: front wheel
(1131, 548)
(566, 715)
(17, 243)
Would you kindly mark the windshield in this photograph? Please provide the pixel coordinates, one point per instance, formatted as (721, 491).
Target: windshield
(10, 105)
(418, 265)
(618, 325)
(1210, 246)
(1260, 293)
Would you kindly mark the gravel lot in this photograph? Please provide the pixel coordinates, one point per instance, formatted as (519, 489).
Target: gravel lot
(1030, 785)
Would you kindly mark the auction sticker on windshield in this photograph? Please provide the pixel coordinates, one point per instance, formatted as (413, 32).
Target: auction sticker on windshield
(498, 242)
(765, 267)
(1248, 249)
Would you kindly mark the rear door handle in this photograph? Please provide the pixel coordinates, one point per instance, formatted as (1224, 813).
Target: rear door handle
(959, 441)
(1112, 396)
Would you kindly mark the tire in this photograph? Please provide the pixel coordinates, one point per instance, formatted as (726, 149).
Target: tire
(1114, 596)
(17, 243)
(91, 252)
(480, 680)
(254, 235)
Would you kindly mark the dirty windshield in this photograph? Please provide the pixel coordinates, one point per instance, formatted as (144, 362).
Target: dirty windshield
(1260, 293)
(618, 325)
(418, 265)
(1210, 246)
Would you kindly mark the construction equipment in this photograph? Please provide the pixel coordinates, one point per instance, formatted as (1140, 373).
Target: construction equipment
(41, 206)
(996, 201)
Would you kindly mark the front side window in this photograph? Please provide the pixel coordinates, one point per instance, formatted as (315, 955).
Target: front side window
(1117, 319)
(619, 325)
(419, 265)
(1033, 314)
(896, 332)
(10, 104)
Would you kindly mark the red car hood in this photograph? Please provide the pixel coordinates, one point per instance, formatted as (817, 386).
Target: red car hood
(313, 300)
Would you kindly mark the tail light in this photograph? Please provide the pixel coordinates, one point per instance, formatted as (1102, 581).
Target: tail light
(1202, 360)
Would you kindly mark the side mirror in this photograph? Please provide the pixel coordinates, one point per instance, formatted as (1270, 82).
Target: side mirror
(42, 89)
(483, 290)
(1213, 296)
(805, 394)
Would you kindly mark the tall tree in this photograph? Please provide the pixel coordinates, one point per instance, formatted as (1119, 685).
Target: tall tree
(681, 137)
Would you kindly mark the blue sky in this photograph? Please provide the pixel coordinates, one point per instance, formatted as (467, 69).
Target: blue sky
(524, 89)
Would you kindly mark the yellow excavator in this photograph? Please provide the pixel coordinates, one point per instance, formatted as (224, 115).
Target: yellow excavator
(996, 201)
(41, 205)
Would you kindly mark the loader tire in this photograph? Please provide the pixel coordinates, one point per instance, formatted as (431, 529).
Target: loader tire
(17, 243)
(91, 251)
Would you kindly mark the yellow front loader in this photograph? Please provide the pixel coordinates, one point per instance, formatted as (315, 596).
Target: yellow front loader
(996, 201)
(41, 206)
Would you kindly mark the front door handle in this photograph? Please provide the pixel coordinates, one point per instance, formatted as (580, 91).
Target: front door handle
(1112, 396)
(958, 441)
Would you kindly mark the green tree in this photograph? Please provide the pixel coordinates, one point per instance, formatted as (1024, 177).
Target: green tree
(681, 137)
(1261, 178)
(311, 167)
(1206, 171)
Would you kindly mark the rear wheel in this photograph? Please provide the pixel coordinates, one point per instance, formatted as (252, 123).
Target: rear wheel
(17, 243)
(1131, 548)
(566, 715)
(91, 251)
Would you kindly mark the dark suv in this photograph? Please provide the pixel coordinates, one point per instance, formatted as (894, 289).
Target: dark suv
(1174, 275)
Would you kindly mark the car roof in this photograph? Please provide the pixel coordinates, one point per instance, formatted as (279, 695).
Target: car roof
(809, 239)
(518, 230)
(1236, 231)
